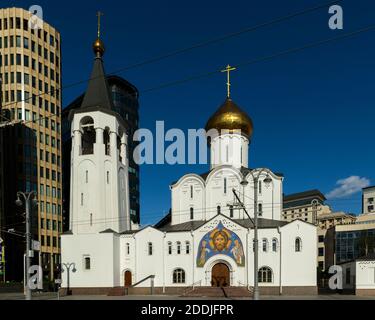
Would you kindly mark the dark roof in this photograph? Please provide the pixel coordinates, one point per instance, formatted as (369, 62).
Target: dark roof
(183, 227)
(108, 231)
(166, 226)
(368, 188)
(303, 198)
(97, 93)
(244, 172)
(305, 194)
(112, 80)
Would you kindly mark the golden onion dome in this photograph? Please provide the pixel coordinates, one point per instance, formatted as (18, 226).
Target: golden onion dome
(231, 117)
(99, 47)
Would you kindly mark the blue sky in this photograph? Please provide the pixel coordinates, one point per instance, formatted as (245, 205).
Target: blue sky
(313, 111)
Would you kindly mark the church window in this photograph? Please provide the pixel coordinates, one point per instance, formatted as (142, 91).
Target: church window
(275, 244)
(107, 177)
(191, 192)
(87, 177)
(191, 213)
(265, 275)
(88, 136)
(91, 222)
(225, 185)
(150, 249)
(170, 248)
(87, 263)
(127, 249)
(231, 211)
(81, 199)
(265, 245)
(178, 247)
(106, 139)
(298, 245)
(187, 247)
(218, 210)
(179, 276)
(260, 210)
(227, 154)
(260, 187)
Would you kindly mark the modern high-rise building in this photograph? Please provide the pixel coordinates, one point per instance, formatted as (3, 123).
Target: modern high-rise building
(30, 69)
(305, 206)
(124, 97)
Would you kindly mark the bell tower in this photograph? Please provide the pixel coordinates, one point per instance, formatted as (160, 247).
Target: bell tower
(99, 164)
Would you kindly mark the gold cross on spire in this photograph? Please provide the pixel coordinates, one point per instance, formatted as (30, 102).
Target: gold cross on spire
(228, 70)
(99, 15)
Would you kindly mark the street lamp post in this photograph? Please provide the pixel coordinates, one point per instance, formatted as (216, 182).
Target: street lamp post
(27, 197)
(68, 266)
(267, 181)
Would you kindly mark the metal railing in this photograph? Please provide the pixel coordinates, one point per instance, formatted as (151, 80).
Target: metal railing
(250, 289)
(152, 286)
(192, 287)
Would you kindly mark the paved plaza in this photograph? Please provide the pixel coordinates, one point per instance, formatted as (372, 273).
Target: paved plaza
(53, 296)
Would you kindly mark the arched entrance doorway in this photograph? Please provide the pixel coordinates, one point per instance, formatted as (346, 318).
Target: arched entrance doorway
(220, 275)
(128, 279)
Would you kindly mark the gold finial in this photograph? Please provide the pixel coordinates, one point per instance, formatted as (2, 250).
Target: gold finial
(99, 15)
(228, 70)
(98, 46)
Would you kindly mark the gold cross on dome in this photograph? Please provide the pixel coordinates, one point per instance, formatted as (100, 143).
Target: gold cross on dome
(99, 15)
(228, 70)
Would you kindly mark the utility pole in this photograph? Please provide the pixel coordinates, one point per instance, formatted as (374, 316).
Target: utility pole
(256, 252)
(28, 197)
(267, 181)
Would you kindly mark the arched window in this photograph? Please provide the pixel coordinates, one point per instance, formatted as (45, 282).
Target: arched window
(170, 248)
(265, 275)
(106, 139)
(265, 245)
(150, 249)
(187, 247)
(298, 245)
(218, 209)
(87, 176)
(178, 247)
(275, 245)
(178, 276)
(191, 192)
(260, 187)
(231, 211)
(88, 136)
(191, 213)
(225, 185)
(260, 210)
(127, 249)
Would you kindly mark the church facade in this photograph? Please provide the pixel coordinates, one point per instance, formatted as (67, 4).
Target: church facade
(208, 237)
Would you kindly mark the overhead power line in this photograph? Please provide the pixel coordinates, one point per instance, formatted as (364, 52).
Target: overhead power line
(243, 64)
(198, 45)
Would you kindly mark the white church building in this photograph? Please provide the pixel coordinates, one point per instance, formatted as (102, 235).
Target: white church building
(207, 240)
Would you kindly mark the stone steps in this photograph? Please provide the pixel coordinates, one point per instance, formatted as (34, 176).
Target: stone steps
(117, 292)
(212, 292)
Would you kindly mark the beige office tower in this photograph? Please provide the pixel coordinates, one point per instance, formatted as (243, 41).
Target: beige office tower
(30, 68)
